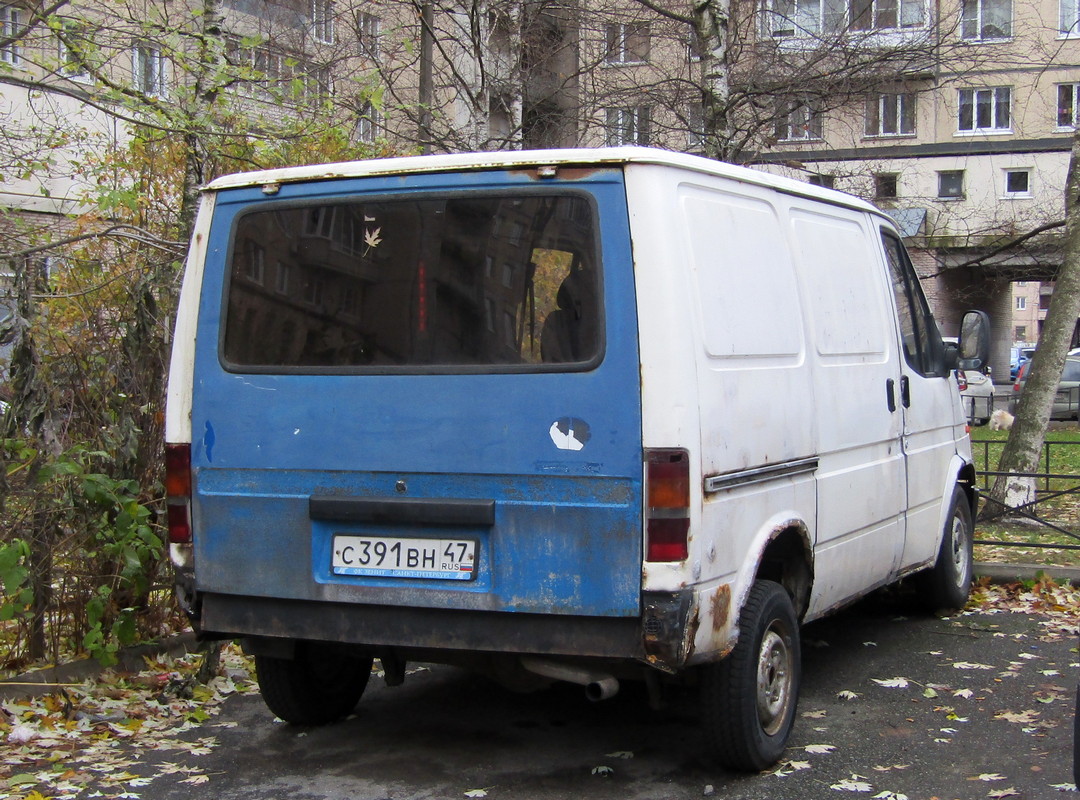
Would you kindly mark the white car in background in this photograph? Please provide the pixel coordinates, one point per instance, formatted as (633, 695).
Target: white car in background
(976, 392)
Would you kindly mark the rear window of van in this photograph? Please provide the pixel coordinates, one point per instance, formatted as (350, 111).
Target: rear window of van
(502, 282)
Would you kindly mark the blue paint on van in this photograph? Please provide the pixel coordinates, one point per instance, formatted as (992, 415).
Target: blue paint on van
(567, 530)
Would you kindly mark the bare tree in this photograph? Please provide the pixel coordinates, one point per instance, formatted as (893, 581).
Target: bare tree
(729, 78)
(1024, 445)
(119, 113)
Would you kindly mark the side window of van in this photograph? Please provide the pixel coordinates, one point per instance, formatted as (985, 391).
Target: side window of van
(495, 283)
(921, 339)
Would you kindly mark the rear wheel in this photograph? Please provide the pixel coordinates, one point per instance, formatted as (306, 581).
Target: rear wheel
(322, 683)
(947, 584)
(749, 698)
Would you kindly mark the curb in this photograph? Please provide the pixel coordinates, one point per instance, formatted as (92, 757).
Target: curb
(1014, 573)
(130, 659)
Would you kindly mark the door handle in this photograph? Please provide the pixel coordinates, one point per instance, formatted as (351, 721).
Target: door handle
(905, 391)
(890, 394)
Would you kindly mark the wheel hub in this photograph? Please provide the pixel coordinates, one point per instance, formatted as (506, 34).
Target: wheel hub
(774, 675)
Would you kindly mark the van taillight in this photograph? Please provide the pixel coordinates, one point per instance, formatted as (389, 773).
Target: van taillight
(178, 492)
(667, 513)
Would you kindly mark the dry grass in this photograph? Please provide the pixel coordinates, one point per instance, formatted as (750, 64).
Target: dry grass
(1061, 456)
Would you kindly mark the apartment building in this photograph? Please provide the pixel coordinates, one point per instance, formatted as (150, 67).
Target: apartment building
(957, 117)
(968, 157)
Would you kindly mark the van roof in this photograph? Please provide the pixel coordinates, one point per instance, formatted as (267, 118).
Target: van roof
(527, 159)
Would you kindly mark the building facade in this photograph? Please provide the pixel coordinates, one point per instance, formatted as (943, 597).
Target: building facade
(956, 117)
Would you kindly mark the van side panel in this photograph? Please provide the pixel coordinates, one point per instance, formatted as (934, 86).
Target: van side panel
(741, 371)
(558, 462)
(793, 364)
(861, 494)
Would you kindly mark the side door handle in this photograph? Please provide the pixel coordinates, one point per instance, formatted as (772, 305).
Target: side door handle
(905, 391)
(890, 394)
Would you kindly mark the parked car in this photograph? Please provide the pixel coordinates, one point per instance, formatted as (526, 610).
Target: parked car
(543, 435)
(1019, 356)
(1067, 400)
(976, 392)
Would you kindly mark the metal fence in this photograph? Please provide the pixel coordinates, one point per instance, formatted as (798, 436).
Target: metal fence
(1050, 486)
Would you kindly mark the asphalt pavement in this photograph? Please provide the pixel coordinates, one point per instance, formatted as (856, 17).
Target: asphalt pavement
(894, 704)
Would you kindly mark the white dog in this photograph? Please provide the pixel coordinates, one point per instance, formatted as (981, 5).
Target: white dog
(1001, 420)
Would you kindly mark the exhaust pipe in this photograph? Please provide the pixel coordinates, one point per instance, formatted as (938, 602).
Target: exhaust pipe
(598, 685)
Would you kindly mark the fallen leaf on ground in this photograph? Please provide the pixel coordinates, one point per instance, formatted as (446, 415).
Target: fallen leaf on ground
(892, 683)
(852, 784)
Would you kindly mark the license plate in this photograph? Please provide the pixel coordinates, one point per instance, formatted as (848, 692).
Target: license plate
(404, 557)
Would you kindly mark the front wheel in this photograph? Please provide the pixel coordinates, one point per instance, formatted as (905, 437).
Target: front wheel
(320, 684)
(947, 584)
(749, 698)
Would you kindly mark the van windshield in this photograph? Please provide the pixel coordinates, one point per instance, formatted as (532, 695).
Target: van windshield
(479, 282)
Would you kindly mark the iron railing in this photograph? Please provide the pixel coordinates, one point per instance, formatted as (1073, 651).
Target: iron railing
(1064, 484)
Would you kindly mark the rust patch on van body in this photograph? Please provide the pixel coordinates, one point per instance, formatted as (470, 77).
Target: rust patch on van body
(721, 606)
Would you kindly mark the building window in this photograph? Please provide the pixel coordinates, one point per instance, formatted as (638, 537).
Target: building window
(1067, 105)
(367, 123)
(694, 47)
(793, 18)
(71, 51)
(10, 27)
(890, 115)
(799, 120)
(1017, 183)
(826, 181)
(796, 18)
(985, 109)
(256, 262)
(876, 15)
(276, 76)
(282, 282)
(149, 70)
(368, 26)
(627, 43)
(886, 186)
(1069, 17)
(628, 125)
(1021, 303)
(313, 290)
(986, 19)
(951, 184)
(317, 86)
(322, 20)
(1021, 333)
(695, 128)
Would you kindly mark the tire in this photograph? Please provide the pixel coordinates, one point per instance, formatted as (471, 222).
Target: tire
(321, 684)
(748, 699)
(947, 584)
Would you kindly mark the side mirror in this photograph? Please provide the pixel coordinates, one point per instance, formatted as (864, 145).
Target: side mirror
(974, 346)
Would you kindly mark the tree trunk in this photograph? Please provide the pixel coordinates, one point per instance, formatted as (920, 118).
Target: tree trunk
(1024, 445)
(711, 28)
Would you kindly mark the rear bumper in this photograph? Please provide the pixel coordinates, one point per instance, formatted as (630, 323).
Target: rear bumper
(423, 629)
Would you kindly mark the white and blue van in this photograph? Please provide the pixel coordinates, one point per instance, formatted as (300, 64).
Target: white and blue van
(583, 415)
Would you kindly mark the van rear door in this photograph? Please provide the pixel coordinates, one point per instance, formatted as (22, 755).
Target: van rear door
(421, 391)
